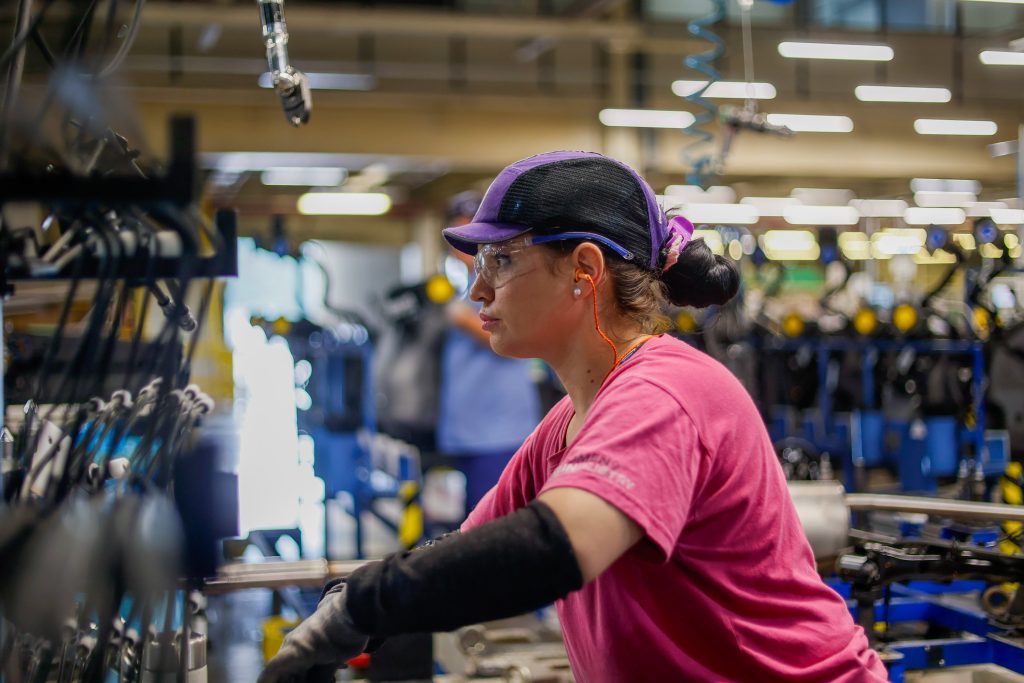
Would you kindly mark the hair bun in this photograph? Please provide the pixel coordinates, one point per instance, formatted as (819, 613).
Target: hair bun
(700, 278)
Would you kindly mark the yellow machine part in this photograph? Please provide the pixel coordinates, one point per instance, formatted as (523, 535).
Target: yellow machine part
(865, 321)
(274, 630)
(983, 321)
(410, 526)
(904, 317)
(439, 289)
(793, 325)
(1009, 487)
(685, 322)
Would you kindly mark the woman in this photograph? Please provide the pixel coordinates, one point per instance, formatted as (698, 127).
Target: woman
(648, 502)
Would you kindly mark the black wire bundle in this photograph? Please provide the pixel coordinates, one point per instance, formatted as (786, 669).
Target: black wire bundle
(89, 535)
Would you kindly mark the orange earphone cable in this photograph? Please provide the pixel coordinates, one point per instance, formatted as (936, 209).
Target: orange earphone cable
(597, 326)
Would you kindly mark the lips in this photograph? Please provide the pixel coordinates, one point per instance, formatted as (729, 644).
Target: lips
(488, 321)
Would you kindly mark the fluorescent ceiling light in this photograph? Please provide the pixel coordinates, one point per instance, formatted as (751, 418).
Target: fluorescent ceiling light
(328, 81)
(645, 118)
(736, 90)
(921, 216)
(893, 242)
(984, 209)
(1003, 2)
(858, 52)
(344, 204)
(799, 214)
(729, 214)
(1008, 216)
(855, 246)
(808, 123)
(311, 176)
(1004, 148)
(1001, 58)
(790, 245)
(954, 127)
(895, 93)
(945, 185)
(822, 196)
(686, 194)
(933, 199)
(770, 206)
(879, 208)
(712, 239)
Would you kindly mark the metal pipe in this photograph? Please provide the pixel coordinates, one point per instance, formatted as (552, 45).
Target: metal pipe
(945, 507)
(278, 575)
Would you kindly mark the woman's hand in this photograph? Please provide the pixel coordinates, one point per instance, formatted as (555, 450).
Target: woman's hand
(318, 646)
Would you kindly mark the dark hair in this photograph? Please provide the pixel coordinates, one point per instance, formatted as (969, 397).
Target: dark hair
(699, 278)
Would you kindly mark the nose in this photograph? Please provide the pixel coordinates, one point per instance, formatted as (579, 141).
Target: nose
(481, 291)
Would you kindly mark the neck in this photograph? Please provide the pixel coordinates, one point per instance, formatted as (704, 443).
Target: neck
(584, 364)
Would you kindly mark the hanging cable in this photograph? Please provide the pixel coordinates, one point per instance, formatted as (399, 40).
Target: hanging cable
(703, 167)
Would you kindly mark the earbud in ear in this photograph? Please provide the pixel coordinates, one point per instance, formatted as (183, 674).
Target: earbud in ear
(580, 275)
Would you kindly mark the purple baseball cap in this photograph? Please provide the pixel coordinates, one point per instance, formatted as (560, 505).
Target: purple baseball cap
(563, 192)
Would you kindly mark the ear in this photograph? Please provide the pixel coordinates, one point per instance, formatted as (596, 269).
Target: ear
(588, 261)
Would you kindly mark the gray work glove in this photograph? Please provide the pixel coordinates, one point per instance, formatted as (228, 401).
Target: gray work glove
(319, 645)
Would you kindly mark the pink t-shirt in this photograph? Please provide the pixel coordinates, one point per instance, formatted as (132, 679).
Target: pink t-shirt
(724, 586)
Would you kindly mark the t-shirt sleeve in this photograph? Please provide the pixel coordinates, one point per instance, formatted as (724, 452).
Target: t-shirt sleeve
(639, 452)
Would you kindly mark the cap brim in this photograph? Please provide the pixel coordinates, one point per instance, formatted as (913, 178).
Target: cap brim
(465, 238)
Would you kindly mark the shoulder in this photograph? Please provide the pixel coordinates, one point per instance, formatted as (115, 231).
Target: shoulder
(670, 369)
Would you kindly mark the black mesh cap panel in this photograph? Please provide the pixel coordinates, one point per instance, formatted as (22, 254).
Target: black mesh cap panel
(588, 194)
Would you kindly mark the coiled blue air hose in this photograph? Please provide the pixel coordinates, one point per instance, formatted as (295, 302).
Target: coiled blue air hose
(703, 167)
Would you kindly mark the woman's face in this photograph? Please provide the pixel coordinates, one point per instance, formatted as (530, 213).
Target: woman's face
(526, 297)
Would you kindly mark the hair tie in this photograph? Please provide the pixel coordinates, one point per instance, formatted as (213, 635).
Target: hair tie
(680, 231)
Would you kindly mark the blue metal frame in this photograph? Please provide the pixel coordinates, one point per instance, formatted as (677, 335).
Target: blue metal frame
(980, 642)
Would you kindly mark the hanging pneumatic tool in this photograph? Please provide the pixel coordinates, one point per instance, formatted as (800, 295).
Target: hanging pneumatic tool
(291, 85)
(705, 168)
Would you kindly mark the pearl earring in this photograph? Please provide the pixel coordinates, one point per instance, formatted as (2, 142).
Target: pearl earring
(577, 291)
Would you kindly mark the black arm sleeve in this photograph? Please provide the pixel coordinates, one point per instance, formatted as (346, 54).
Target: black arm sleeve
(506, 567)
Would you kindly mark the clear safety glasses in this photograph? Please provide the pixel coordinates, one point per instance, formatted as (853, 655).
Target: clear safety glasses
(499, 264)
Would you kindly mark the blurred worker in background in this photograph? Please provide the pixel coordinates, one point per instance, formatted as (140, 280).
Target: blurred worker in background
(479, 387)
(649, 502)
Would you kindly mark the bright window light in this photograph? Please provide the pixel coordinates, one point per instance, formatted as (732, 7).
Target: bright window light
(916, 215)
(645, 118)
(984, 209)
(1001, 58)
(1008, 216)
(933, 199)
(728, 214)
(790, 245)
(895, 93)
(954, 127)
(799, 214)
(770, 206)
(809, 123)
(945, 185)
(879, 208)
(855, 246)
(311, 176)
(736, 90)
(712, 239)
(892, 242)
(857, 52)
(344, 204)
(328, 81)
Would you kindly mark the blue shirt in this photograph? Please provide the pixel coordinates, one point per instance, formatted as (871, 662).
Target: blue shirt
(489, 404)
